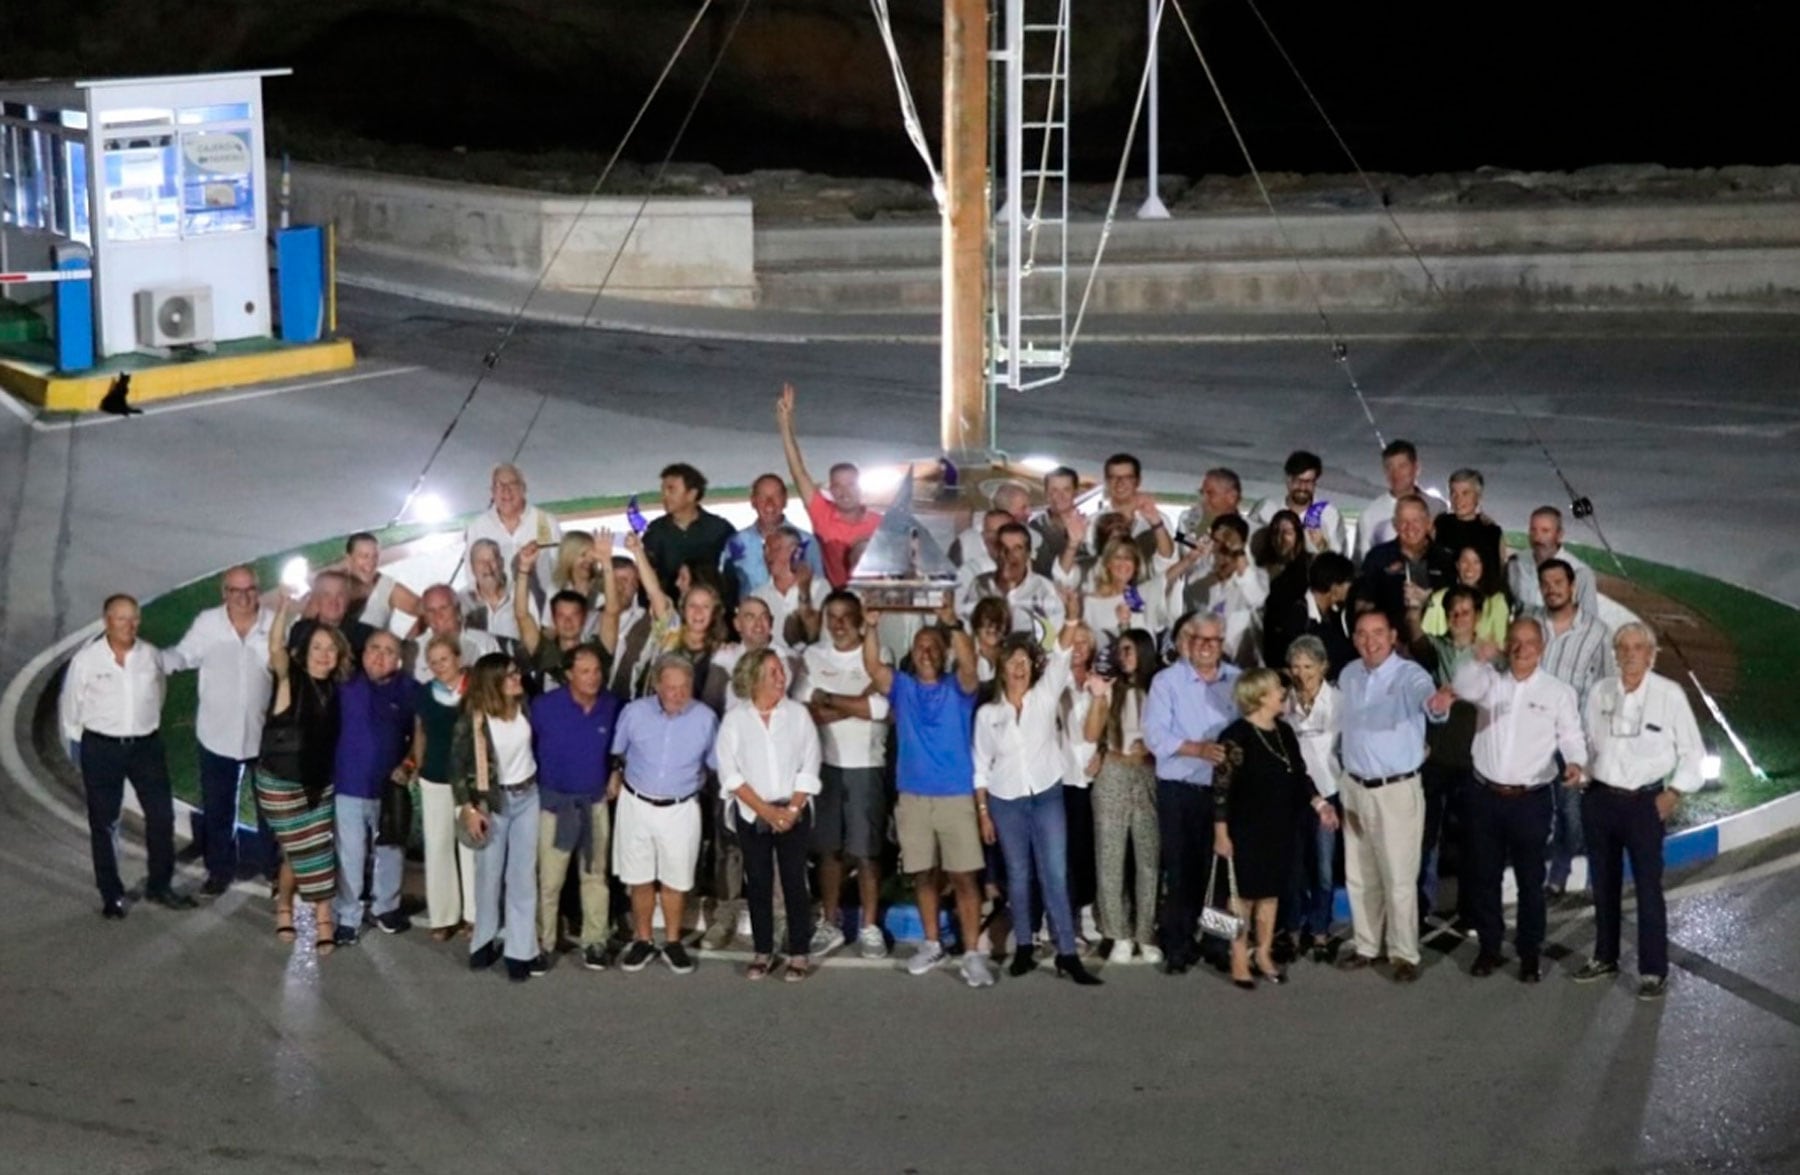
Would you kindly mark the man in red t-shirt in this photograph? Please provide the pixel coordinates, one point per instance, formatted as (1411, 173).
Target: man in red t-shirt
(839, 518)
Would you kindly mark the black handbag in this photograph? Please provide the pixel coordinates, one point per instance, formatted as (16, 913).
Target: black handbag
(394, 826)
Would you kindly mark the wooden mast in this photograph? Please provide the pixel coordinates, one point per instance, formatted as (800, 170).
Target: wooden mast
(964, 425)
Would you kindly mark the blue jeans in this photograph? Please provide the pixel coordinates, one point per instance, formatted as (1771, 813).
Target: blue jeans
(1318, 862)
(506, 871)
(1566, 841)
(358, 821)
(1034, 838)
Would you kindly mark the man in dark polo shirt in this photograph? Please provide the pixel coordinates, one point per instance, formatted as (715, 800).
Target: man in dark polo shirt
(686, 533)
(573, 729)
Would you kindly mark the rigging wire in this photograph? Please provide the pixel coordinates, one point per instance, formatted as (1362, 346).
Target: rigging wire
(1340, 351)
(491, 359)
(909, 110)
(1579, 505)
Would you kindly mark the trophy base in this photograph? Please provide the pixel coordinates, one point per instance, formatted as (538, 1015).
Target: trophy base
(890, 595)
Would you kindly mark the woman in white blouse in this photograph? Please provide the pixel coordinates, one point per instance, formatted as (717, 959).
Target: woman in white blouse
(1125, 799)
(1122, 596)
(495, 785)
(1018, 793)
(1312, 710)
(768, 751)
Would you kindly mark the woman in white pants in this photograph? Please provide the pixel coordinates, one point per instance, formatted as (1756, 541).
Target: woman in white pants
(449, 866)
(495, 778)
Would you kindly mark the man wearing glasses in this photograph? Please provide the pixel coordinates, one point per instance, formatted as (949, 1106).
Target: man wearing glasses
(1190, 702)
(229, 646)
(1646, 754)
(1321, 524)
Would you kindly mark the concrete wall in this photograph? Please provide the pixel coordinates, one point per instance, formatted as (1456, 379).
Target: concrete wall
(1696, 255)
(680, 250)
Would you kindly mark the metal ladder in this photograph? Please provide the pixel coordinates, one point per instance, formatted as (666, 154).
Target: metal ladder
(1029, 252)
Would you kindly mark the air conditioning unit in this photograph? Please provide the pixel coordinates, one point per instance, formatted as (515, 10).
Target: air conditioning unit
(174, 316)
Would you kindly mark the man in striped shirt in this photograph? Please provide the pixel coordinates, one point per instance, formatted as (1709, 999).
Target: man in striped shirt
(1578, 652)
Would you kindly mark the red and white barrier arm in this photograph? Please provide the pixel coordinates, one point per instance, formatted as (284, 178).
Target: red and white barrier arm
(47, 275)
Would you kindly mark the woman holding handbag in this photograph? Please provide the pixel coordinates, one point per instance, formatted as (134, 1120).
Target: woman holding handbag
(1260, 792)
(449, 865)
(293, 772)
(494, 774)
(768, 751)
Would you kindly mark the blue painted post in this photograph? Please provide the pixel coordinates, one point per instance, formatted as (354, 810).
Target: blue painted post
(74, 315)
(300, 280)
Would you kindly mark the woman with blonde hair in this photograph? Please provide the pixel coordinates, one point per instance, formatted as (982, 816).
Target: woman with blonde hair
(494, 775)
(1122, 594)
(449, 866)
(293, 772)
(1260, 793)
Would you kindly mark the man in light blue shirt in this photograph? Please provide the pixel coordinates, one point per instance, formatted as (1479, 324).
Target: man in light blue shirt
(666, 744)
(742, 560)
(1387, 701)
(1190, 702)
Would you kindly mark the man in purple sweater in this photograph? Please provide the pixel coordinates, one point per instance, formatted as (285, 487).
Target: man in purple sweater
(376, 729)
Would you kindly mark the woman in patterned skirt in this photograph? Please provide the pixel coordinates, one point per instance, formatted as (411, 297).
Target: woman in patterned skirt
(293, 773)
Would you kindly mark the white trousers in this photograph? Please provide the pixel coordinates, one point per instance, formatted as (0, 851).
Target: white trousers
(1384, 829)
(449, 867)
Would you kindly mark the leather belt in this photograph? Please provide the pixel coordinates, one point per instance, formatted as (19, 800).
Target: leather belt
(1372, 784)
(657, 801)
(1511, 791)
(121, 739)
(1649, 789)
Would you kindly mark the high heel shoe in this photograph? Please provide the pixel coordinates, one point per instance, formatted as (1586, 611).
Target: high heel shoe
(1024, 961)
(1070, 966)
(1277, 976)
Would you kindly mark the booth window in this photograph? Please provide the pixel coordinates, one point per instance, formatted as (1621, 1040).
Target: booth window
(141, 187)
(218, 182)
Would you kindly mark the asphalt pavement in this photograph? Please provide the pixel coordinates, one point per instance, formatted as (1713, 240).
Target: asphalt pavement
(193, 1042)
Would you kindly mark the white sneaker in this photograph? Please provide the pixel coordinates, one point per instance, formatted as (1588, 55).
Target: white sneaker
(926, 958)
(1150, 954)
(826, 937)
(871, 943)
(1090, 930)
(1121, 951)
(975, 970)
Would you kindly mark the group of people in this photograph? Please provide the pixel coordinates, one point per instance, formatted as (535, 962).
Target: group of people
(1110, 726)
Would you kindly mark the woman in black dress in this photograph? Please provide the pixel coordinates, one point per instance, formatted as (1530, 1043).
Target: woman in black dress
(1260, 792)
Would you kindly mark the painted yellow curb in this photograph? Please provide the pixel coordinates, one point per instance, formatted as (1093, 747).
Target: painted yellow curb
(82, 393)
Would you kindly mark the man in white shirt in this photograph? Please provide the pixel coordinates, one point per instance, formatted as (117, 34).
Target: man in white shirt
(1400, 466)
(1221, 493)
(851, 812)
(111, 708)
(1525, 719)
(512, 522)
(1124, 496)
(792, 592)
(1037, 607)
(443, 617)
(755, 626)
(229, 645)
(1321, 525)
(1577, 652)
(975, 546)
(1050, 530)
(1646, 754)
(1545, 534)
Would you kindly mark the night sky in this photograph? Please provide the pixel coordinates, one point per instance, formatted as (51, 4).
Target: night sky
(1417, 86)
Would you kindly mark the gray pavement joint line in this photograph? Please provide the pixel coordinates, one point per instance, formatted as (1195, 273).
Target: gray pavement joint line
(189, 404)
(59, 559)
(1736, 983)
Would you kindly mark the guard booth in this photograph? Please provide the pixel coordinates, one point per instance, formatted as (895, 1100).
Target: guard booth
(162, 180)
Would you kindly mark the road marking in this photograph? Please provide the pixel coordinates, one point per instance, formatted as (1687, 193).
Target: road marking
(164, 408)
(11, 760)
(1772, 432)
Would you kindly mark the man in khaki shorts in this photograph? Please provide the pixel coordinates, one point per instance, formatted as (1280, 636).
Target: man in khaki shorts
(939, 824)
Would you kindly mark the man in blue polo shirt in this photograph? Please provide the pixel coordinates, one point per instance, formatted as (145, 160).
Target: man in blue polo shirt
(1190, 703)
(940, 821)
(573, 728)
(376, 728)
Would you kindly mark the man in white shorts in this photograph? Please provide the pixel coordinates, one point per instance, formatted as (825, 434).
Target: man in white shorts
(661, 753)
